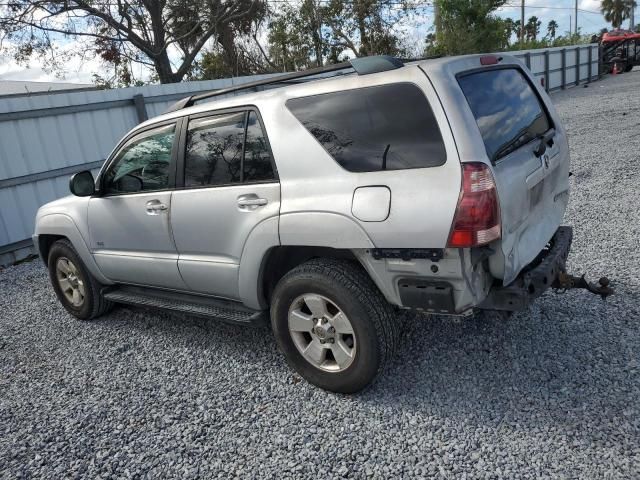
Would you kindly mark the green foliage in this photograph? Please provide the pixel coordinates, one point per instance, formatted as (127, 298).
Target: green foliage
(532, 29)
(470, 26)
(562, 41)
(321, 32)
(552, 28)
(617, 11)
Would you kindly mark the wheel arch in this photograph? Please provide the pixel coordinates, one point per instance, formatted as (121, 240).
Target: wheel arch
(282, 259)
(58, 226)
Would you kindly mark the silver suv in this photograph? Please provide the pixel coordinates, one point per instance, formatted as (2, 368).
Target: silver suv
(360, 189)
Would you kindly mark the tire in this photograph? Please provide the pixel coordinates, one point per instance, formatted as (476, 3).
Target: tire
(628, 68)
(346, 291)
(92, 304)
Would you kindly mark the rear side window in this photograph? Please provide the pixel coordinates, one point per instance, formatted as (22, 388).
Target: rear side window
(226, 149)
(257, 158)
(507, 110)
(214, 150)
(387, 127)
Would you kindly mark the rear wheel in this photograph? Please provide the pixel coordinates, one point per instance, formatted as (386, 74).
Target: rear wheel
(76, 289)
(333, 325)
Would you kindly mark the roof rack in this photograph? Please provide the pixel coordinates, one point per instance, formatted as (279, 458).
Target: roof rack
(362, 66)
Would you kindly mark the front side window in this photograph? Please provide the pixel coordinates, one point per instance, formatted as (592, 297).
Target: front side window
(507, 110)
(143, 163)
(387, 127)
(214, 150)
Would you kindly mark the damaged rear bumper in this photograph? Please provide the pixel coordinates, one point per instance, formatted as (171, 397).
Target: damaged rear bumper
(534, 279)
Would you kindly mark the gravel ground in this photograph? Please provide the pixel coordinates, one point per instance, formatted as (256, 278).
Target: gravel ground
(552, 392)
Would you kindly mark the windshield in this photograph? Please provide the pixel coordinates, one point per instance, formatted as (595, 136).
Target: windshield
(507, 110)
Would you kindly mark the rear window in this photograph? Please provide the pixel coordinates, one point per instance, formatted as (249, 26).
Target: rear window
(387, 127)
(507, 110)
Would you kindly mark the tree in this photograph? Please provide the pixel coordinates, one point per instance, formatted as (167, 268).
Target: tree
(552, 27)
(165, 35)
(317, 32)
(617, 11)
(297, 37)
(517, 27)
(470, 26)
(510, 28)
(365, 27)
(532, 29)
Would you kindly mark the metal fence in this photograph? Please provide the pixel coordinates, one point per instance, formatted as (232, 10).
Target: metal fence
(562, 67)
(44, 138)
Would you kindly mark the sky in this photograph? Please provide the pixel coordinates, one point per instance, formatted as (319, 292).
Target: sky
(590, 20)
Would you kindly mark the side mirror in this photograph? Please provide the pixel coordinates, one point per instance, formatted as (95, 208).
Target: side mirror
(129, 184)
(82, 184)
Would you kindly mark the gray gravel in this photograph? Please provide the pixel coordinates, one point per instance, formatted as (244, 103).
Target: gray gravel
(552, 392)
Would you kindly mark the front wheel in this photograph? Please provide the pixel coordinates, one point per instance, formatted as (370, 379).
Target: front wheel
(333, 325)
(76, 289)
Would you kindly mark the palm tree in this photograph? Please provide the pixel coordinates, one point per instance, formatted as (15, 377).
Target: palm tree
(552, 26)
(532, 28)
(517, 26)
(617, 11)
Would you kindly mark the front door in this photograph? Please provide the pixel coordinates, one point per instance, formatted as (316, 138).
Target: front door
(129, 225)
(227, 187)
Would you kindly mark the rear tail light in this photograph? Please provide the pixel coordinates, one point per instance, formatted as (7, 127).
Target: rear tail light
(477, 218)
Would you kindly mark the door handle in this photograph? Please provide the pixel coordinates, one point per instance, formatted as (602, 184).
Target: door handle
(154, 207)
(251, 202)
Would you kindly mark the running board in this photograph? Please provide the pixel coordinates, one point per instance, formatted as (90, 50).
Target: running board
(225, 310)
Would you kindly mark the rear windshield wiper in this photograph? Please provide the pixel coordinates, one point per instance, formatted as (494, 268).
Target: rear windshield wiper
(511, 146)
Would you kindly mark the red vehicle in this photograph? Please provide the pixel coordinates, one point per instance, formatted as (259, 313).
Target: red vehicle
(620, 50)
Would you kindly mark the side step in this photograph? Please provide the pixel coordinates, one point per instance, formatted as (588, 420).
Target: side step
(225, 310)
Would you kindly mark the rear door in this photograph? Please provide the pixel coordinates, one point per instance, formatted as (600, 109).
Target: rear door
(228, 186)
(529, 153)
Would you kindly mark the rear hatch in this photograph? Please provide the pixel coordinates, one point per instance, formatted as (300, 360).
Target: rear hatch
(508, 122)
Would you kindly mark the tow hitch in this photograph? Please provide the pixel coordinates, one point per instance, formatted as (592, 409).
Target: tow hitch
(548, 271)
(564, 282)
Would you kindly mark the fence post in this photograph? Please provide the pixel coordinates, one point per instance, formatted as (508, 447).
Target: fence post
(590, 62)
(577, 65)
(527, 60)
(564, 68)
(546, 70)
(600, 62)
(141, 110)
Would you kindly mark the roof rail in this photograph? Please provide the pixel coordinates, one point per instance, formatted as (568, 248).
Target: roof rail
(362, 66)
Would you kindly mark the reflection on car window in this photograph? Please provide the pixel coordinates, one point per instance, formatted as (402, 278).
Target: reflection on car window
(507, 110)
(386, 127)
(257, 159)
(143, 162)
(214, 150)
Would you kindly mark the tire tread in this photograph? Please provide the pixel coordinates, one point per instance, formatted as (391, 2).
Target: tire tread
(357, 281)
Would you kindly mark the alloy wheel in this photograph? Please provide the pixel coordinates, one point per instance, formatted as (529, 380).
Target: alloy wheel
(322, 333)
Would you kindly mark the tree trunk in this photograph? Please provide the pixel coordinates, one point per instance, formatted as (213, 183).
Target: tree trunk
(163, 69)
(360, 11)
(317, 33)
(226, 39)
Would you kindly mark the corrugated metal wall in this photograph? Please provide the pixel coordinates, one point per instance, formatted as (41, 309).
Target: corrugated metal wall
(44, 138)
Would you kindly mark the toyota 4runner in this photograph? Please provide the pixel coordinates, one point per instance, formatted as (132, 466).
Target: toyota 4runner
(437, 185)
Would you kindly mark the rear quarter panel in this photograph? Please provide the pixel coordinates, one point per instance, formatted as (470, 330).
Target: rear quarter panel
(313, 185)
